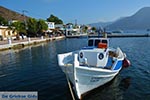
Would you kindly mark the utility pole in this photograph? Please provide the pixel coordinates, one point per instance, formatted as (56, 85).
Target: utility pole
(23, 13)
(75, 22)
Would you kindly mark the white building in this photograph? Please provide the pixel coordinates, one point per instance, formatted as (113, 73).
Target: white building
(51, 25)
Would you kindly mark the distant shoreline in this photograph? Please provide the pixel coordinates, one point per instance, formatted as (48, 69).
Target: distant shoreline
(123, 35)
(114, 35)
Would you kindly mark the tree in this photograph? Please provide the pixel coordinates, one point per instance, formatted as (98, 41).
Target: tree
(32, 27)
(41, 26)
(3, 21)
(20, 27)
(93, 28)
(54, 19)
(36, 27)
(85, 29)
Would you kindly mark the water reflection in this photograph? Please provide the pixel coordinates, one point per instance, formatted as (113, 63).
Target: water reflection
(125, 83)
(114, 90)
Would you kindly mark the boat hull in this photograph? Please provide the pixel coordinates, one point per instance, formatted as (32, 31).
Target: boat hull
(87, 79)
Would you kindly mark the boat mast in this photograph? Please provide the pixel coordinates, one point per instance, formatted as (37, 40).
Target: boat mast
(104, 33)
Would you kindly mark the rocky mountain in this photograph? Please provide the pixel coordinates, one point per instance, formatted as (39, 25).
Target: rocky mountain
(11, 15)
(139, 21)
(100, 24)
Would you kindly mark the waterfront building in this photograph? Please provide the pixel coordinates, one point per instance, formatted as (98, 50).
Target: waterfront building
(6, 32)
(51, 26)
(72, 29)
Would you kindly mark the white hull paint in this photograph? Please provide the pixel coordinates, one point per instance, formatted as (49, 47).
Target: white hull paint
(85, 78)
(85, 83)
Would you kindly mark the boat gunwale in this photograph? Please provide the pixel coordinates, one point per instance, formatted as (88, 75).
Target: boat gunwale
(97, 69)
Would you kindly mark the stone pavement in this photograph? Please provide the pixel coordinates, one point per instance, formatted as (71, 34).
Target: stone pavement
(17, 41)
(4, 45)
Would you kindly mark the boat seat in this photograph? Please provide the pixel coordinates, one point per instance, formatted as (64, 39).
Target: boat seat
(67, 65)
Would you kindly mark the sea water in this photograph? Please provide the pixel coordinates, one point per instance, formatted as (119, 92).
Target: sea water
(36, 69)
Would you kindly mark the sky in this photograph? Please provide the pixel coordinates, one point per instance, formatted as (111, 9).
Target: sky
(83, 11)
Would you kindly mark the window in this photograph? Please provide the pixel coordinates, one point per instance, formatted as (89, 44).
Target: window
(96, 42)
(104, 41)
(90, 43)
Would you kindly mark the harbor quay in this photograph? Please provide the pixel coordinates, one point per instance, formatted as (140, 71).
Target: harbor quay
(17, 44)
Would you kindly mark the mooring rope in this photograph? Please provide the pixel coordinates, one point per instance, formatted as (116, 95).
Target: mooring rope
(73, 97)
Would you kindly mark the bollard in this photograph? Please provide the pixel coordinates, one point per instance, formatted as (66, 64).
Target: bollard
(42, 37)
(29, 39)
(9, 41)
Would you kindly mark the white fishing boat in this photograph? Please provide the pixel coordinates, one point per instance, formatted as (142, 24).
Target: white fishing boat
(92, 66)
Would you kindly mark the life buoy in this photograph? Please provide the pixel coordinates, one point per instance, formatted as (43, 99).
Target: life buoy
(81, 55)
(101, 56)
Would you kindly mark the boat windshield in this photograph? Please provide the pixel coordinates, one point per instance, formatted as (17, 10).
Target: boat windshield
(104, 41)
(90, 43)
(96, 42)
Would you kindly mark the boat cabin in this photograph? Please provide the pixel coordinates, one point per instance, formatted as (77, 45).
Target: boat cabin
(98, 42)
(95, 54)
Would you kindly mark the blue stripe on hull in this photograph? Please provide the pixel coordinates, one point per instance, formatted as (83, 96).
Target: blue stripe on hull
(118, 65)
